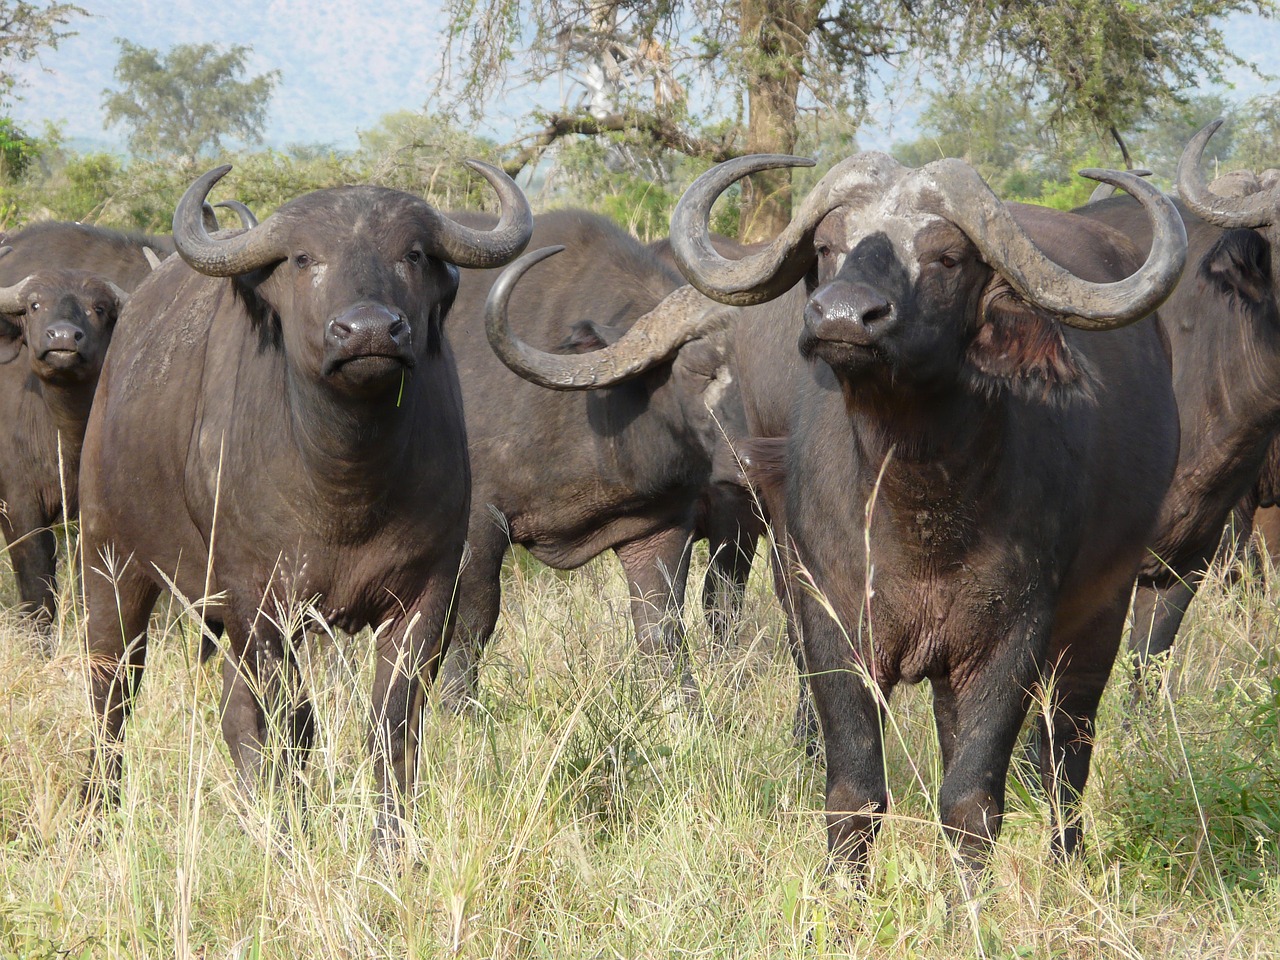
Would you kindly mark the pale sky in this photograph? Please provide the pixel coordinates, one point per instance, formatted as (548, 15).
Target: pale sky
(346, 63)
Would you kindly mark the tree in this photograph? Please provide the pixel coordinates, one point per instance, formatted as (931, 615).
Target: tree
(188, 101)
(25, 30)
(1091, 60)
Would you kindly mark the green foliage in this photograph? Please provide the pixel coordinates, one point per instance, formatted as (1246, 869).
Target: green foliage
(1097, 62)
(26, 29)
(1257, 134)
(188, 101)
(1205, 797)
(423, 154)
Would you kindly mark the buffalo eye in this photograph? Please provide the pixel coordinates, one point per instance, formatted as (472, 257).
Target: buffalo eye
(302, 261)
(948, 261)
(99, 309)
(413, 256)
(824, 251)
(35, 305)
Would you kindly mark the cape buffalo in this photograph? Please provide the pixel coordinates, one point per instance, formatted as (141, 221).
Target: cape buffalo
(279, 421)
(72, 271)
(1223, 325)
(569, 474)
(967, 483)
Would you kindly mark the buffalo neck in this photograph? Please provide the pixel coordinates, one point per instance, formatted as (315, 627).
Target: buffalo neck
(352, 450)
(921, 431)
(69, 405)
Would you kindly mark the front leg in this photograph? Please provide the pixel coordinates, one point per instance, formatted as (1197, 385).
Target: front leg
(849, 706)
(657, 569)
(408, 656)
(978, 711)
(33, 553)
(267, 718)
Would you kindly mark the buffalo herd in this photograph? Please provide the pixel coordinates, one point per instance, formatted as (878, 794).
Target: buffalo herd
(972, 429)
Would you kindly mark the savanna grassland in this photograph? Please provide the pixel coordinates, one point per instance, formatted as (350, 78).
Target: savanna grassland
(573, 815)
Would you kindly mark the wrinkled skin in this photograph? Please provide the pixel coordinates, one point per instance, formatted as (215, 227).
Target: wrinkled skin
(1223, 324)
(286, 436)
(46, 404)
(569, 475)
(1014, 464)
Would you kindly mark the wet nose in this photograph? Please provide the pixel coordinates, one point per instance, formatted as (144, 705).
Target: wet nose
(844, 312)
(369, 328)
(62, 336)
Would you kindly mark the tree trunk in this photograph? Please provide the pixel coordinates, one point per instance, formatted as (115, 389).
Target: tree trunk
(774, 36)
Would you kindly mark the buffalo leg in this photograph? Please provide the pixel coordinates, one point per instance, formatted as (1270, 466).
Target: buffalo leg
(408, 656)
(263, 704)
(1083, 667)
(1157, 616)
(33, 553)
(119, 604)
(725, 585)
(479, 601)
(805, 727)
(978, 726)
(657, 569)
(849, 709)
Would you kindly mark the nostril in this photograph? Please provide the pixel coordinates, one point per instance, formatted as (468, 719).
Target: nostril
(339, 329)
(877, 313)
(398, 328)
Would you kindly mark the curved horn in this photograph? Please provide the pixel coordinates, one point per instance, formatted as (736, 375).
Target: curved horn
(224, 256)
(13, 299)
(1104, 190)
(247, 220)
(779, 266)
(1258, 210)
(955, 191)
(486, 248)
(153, 258)
(680, 317)
(122, 296)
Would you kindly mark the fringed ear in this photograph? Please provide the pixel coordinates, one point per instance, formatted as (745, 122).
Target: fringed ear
(1239, 264)
(11, 339)
(1020, 347)
(588, 335)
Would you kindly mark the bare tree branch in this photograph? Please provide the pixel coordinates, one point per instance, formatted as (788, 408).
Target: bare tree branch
(660, 131)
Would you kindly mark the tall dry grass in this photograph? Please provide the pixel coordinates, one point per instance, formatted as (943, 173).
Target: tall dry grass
(573, 815)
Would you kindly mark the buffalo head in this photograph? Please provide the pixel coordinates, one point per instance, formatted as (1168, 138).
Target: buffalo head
(65, 317)
(352, 283)
(924, 276)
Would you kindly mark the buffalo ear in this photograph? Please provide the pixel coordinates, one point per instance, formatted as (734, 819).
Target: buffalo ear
(1240, 264)
(1019, 346)
(588, 335)
(11, 339)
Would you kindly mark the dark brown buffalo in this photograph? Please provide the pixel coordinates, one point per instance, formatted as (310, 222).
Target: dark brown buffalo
(64, 280)
(569, 473)
(279, 425)
(1223, 324)
(966, 483)
(728, 514)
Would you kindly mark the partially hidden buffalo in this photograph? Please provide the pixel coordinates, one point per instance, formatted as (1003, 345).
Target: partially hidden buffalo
(278, 424)
(965, 482)
(1223, 325)
(62, 285)
(613, 456)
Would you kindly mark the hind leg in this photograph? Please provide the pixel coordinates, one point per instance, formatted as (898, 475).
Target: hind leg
(657, 569)
(478, 604)
(119, 603)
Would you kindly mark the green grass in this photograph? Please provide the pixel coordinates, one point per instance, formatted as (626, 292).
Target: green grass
(573, 815)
